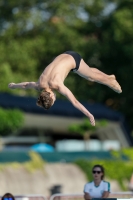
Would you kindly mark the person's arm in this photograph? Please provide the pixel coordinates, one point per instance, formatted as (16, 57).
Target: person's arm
(105, 194)
(87, 196)
(106, 190)
(24, 85)
(67, 93)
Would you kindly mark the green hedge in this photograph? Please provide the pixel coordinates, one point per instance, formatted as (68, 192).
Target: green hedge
(117, 169)
(10, 120)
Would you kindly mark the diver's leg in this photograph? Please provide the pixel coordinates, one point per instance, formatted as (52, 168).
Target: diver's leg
(96, 75)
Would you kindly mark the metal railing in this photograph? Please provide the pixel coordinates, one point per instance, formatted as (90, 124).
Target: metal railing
(119, 195)
(127, 194)
(76, 196)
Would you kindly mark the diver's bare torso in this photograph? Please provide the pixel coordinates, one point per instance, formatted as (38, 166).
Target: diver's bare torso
(56, 72)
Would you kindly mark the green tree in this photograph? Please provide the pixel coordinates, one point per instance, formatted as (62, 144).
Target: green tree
(86, 129)
(27, 40)
(114, 167)
(116, 53)
(10, 121)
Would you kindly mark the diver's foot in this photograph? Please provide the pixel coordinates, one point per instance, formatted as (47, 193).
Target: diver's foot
(114, 85)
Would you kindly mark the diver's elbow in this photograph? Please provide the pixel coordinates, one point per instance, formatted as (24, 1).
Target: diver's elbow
(26, 85)
(75, 103)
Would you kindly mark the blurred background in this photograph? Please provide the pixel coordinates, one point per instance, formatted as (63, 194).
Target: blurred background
(47, 152)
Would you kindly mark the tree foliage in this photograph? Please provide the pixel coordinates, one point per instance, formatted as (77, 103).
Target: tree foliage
(113, 168)
(86, 127)
(32, 33)
(10, 121)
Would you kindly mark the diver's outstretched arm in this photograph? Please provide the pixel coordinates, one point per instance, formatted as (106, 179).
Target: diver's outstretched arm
(24, 85)
(67, 93)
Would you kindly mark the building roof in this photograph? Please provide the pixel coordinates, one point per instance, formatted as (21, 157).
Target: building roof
(60, 107)
(64, 108)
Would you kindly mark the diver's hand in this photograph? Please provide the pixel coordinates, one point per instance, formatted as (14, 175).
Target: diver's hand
(11, 85)
(92, 120)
